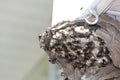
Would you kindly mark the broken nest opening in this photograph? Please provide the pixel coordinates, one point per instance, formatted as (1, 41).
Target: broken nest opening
(76, 43)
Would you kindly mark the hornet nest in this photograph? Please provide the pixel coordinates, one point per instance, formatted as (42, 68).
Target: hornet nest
(75, 43)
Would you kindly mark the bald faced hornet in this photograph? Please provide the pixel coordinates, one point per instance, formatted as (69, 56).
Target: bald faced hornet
(75, 43)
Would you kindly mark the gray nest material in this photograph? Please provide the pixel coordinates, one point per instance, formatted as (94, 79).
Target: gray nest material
(84, 52)
(76, 43)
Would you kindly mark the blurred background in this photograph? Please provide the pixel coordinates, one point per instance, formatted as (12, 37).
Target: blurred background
(21, 21)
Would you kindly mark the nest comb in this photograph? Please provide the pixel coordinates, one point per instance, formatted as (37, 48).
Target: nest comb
(75, 43)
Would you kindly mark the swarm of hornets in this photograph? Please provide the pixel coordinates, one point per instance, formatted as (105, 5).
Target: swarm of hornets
(76, 43)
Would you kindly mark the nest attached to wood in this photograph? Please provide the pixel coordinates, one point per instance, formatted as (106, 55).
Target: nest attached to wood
(76, 43)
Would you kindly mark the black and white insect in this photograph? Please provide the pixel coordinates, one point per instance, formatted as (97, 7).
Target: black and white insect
(76, 43)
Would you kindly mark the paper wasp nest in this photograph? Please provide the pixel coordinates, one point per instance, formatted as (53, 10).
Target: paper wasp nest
(75, 43)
